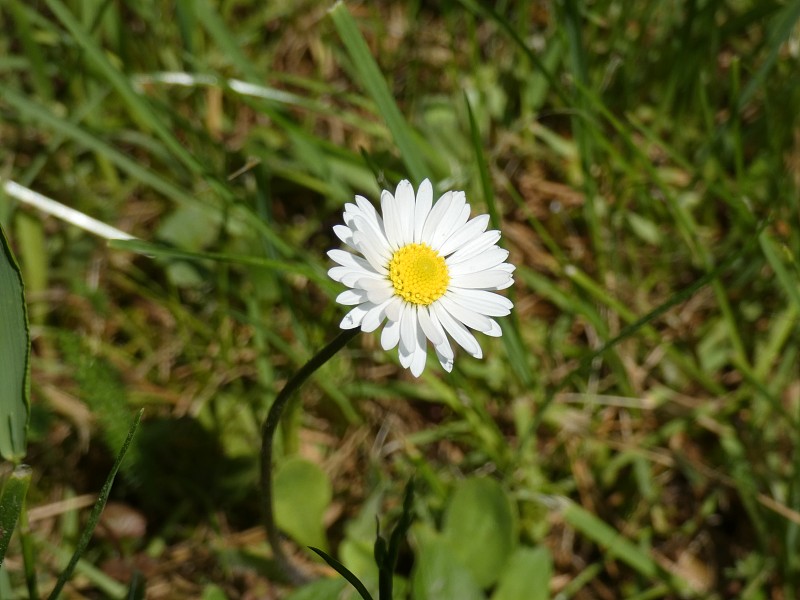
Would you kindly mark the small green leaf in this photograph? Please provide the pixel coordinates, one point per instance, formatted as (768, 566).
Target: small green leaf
(438, 574)
(527, 575)
(302, 493)
(321, 589)
(480, 528)
(11, 501)
(15, 350)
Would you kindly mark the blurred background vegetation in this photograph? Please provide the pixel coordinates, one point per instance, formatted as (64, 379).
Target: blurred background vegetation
(634, 434)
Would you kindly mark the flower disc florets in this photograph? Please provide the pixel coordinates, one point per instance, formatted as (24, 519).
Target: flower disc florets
(418, 274)
(426, 269)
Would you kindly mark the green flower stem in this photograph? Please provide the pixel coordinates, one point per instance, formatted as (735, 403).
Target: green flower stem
(268, 428)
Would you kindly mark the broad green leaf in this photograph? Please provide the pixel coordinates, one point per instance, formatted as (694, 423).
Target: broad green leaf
(11, 501)
(302, 493)
(14, 356)
(438, 574)
(480, 528)
(527, 575)
(321, 589)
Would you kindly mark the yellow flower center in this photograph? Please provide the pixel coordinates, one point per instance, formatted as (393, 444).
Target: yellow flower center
(418, 273)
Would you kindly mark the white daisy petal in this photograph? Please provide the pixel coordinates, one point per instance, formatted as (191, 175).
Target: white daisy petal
(435, 216)
(464, 234)
(475, 247)
(485, 261)
(483, 279)
(355, 316)
(408, 328)
(404, 196)
(395, 308)
(378, 290)
(351, 211)
(494, 330)
(405, 356)
(444, 345)
(443, 350)
(374, 231)
(457, 331)
(436, 336)
(450, 221)
(420, 355)
(347, 259)
(467, 316)
(390, 336)
(380, 295)
(348, 276)
(351, 297)
(488, 303)
(391, 220)
(408, 336)
(371, 251)
(444, 360)
(372, 283)
(345, 234)
(422, 208)
(373, 319)
(370, 213)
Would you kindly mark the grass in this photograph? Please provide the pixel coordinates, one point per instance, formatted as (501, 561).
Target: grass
(640, 414)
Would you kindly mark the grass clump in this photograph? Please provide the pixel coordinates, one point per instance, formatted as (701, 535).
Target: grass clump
(637, 424)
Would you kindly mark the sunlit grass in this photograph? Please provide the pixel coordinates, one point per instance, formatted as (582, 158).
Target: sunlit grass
(640, 414)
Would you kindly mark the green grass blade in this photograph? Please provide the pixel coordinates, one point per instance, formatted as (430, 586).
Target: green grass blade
(483, 167)
(374, 83)
(571, 24)
(231, 49)
(511, 338)
(32, 49)
(780, 29)
(107, 586)
(344, 572)
(613, 542)
(140, 109)
(486, 10)
(11, 502)
(15, 353)
(154, 250)
(789, 283)
(30, 109)
(97, 510)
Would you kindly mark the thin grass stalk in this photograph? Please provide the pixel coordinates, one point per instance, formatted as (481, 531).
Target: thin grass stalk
(294, 573)
(97, 510)
(28, 554)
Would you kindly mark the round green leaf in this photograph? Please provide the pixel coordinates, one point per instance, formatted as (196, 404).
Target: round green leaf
(480, 527)
(438, 574)
(302, 493)
(527, 575)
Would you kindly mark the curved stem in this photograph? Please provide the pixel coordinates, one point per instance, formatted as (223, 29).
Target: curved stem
(268, 428)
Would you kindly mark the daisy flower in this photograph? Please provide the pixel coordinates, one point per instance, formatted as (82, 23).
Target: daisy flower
(426, 269)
